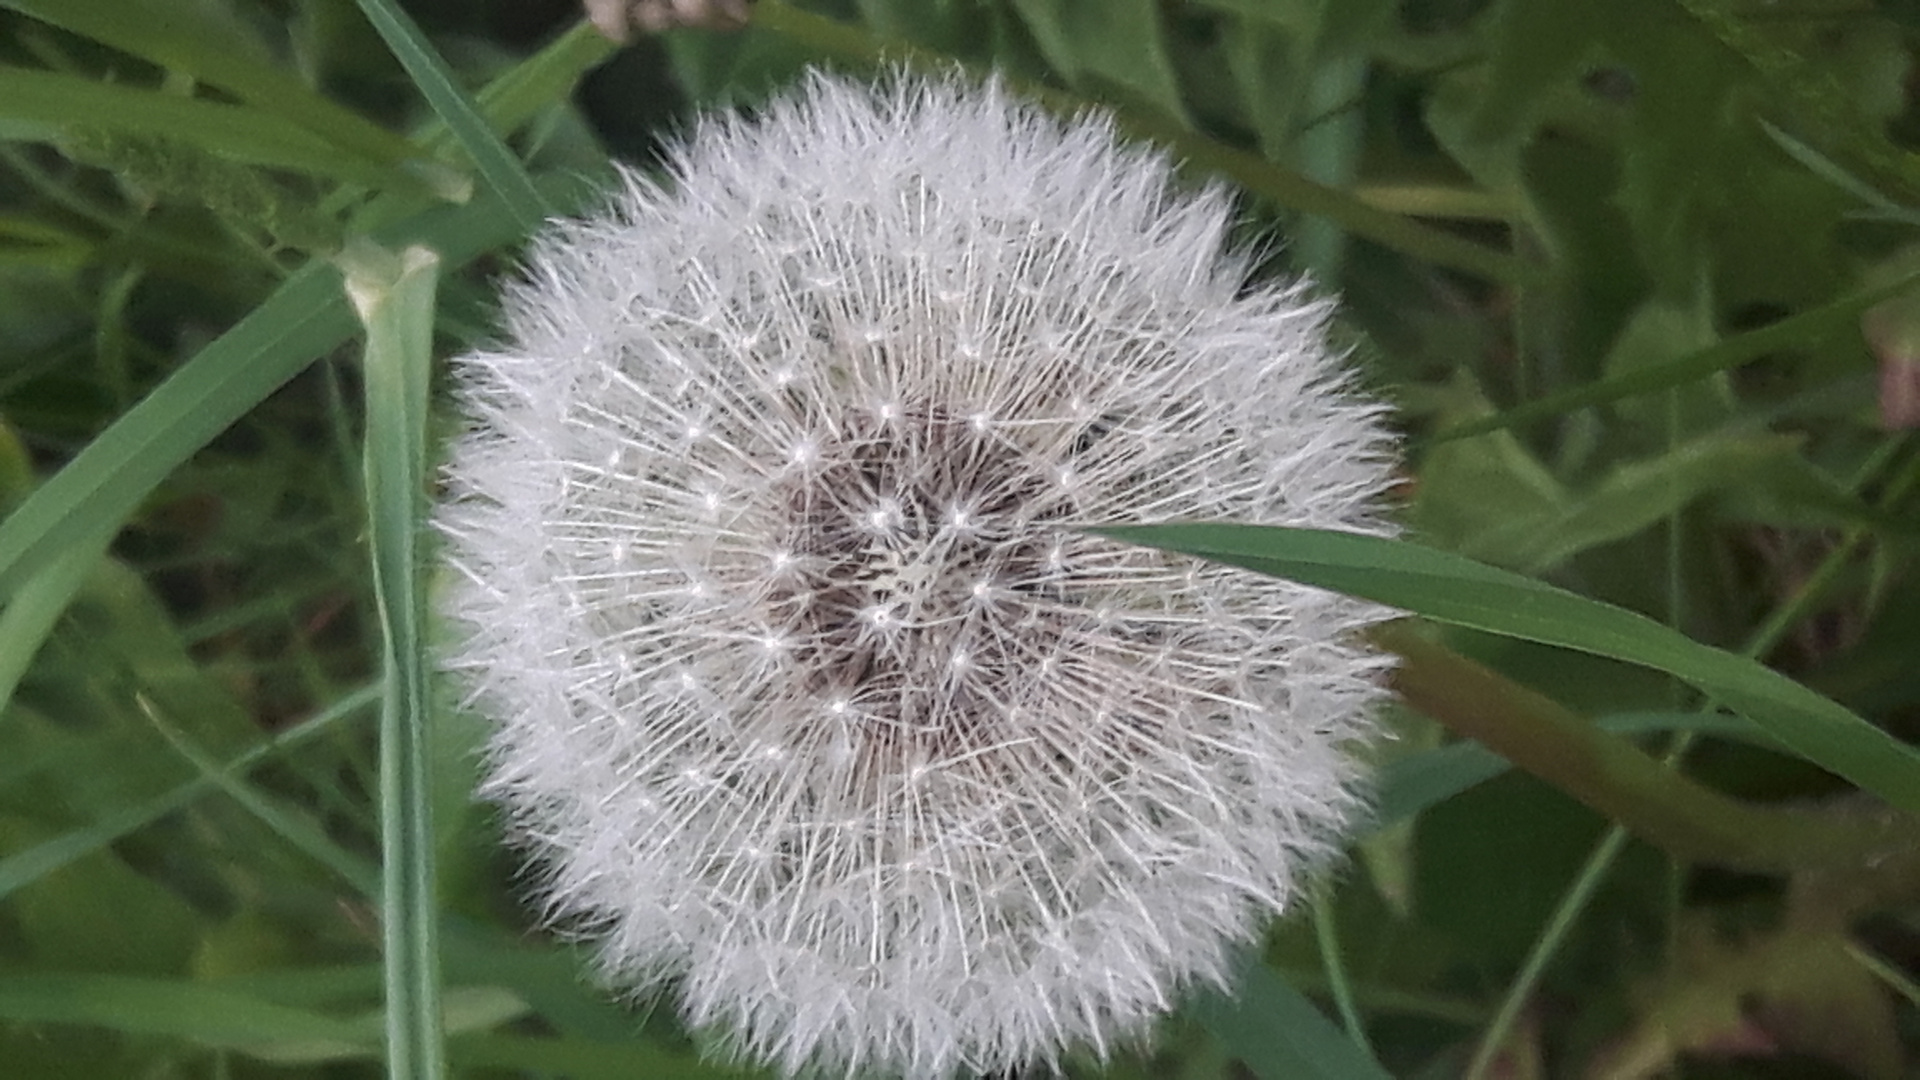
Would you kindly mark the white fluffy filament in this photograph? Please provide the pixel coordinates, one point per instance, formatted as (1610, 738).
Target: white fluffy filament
(809, 694)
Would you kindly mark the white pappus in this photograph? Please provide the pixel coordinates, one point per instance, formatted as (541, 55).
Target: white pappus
(811, 698)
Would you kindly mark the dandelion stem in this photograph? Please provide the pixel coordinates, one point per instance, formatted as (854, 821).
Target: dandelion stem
(1617, 778)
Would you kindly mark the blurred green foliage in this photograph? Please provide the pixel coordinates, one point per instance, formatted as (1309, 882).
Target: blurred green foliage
(1686, 226)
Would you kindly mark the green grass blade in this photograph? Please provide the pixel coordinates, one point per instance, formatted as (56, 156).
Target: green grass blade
(1837, 317)
(49, 106)
(229, 1014)
(225, 1015)
(29, 865)
(174, 1007)
(1829, 170)
(24, 867)
(547, 978)
(1573, 902)
(394, 296)
(296, 826)
(502, 171)
(31, 615)
(1279, 1034)
(1897, 981)
(1333, 962)
(542, 79)
(303, 320)
(194, 40)
(102, 485)
(584, 1060)
(1452, 589)
(307, 987)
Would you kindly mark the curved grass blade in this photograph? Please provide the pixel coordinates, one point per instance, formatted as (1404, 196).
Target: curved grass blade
(394, 296)
(1839, 316)
(191, 39)
(1829, 170)
(30, 616)
(22, 868)
(1897, 981)
(586, 1060)
(224, 1015)
(107, 480)
(304, 319)
(179, 1008)
(1451, 589)
(498, 166)
(540, 80)
(50, 106)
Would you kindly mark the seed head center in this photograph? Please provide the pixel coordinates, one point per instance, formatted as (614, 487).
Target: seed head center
(921, 542)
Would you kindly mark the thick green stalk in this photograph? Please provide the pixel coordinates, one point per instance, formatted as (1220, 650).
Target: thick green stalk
(1626, 784)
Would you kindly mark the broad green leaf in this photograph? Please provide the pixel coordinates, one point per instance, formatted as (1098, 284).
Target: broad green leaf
(306, 987)
(1794, 493)
(548, 977)
(1108, 45)
(957, 30)
(1297, 87)
(1485, 498)
(294, 823)
(1639, 494)
(115, 654)
(1452, 589)
(1279, 13)
(1683, 146)
(1654, 333)
(468, 1009)
(1833, 1015)
(1486, 112)
(1851, 126)
(224, 1015)
(98, 913)
(1278, 1034)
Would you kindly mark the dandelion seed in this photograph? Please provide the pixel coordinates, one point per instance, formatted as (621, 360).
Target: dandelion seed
(814, 703)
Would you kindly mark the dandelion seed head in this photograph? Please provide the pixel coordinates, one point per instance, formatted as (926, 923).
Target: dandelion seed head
(810, 695)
